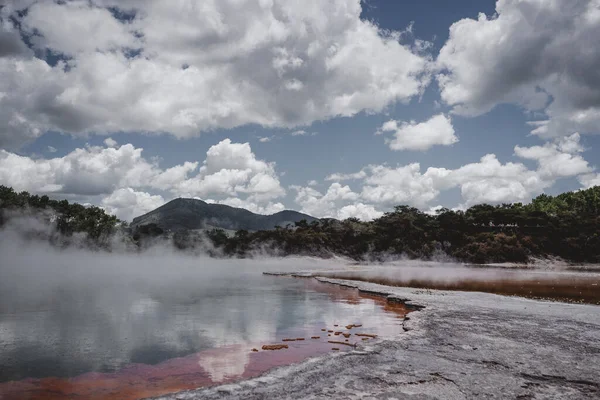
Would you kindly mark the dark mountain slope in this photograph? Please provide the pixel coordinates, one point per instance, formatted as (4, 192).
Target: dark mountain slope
(182, 214)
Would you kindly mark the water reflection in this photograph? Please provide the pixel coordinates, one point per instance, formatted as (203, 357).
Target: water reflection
(123, 342)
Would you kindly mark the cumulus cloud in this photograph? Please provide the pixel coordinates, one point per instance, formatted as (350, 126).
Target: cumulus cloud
(361, 211)
(124, 180)
(437, 130)
(343, 177)
(11, 44)
(487, 181)
(324, 205)
(84, 29)
(110, 142)
(490, 181)
(127, 203)
(185, 68)
(383, 187)
(403, 185)
(589, 180)
(232, 169)
(539, 54)
(557, 159)
(88, 171)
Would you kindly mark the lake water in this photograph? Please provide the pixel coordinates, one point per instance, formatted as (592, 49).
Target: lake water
(111, 332)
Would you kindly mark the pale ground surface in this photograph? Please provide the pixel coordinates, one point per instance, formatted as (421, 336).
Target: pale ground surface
(460, 346)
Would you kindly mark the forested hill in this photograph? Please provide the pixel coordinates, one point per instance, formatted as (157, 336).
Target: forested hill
(182, 214)
(566, 226)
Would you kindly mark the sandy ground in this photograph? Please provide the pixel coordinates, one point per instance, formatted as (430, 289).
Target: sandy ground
(460, 346)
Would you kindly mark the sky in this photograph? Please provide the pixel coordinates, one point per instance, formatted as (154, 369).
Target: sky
(343, 108)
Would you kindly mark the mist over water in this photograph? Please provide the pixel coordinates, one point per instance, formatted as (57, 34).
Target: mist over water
(70, 311)
(65, 313)
(79, 310)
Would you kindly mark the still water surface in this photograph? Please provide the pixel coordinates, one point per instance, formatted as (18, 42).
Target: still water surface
(128, 338)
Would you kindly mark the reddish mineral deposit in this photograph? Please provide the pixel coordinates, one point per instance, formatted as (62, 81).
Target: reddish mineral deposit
(366, 335)
(274, 346)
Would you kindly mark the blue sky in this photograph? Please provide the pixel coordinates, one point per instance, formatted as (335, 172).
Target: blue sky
(233, 97)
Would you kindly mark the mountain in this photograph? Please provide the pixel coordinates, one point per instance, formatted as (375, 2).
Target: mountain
(182, 214)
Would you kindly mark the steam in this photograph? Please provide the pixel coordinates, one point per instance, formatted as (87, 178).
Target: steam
(136, 294)
(123, 304)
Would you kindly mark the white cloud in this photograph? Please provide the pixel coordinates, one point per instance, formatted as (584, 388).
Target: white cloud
(343, 177)
(312, 183)
(265, 139)
(89, 171)
(383, 187)
(539, 54)
(434, 210)
(230, 173)
(305, 62)
(558, 159)
(110, 142)
(231, 169)
(589, 180)
(489, 181)
(437, 130)
(324, 205)
(359, 210)
(485, 181)
(395, 186)
(302, 132)
(127, 203)
(82, 28)
(52, 149)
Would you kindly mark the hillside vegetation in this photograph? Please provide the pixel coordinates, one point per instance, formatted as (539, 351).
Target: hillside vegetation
(64, 218)
(566, 226)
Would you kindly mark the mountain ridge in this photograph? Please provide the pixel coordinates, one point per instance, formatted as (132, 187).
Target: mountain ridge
(188, 214)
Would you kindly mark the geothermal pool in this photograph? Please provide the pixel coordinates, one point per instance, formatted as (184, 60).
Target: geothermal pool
(124, 335)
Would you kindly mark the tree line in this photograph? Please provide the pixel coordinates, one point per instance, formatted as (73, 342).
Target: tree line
(65, 218)
(566, 226)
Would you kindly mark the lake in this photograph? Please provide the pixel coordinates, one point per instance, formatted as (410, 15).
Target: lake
(129, 327)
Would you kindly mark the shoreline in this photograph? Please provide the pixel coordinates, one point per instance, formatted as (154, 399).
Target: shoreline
(459, 345)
